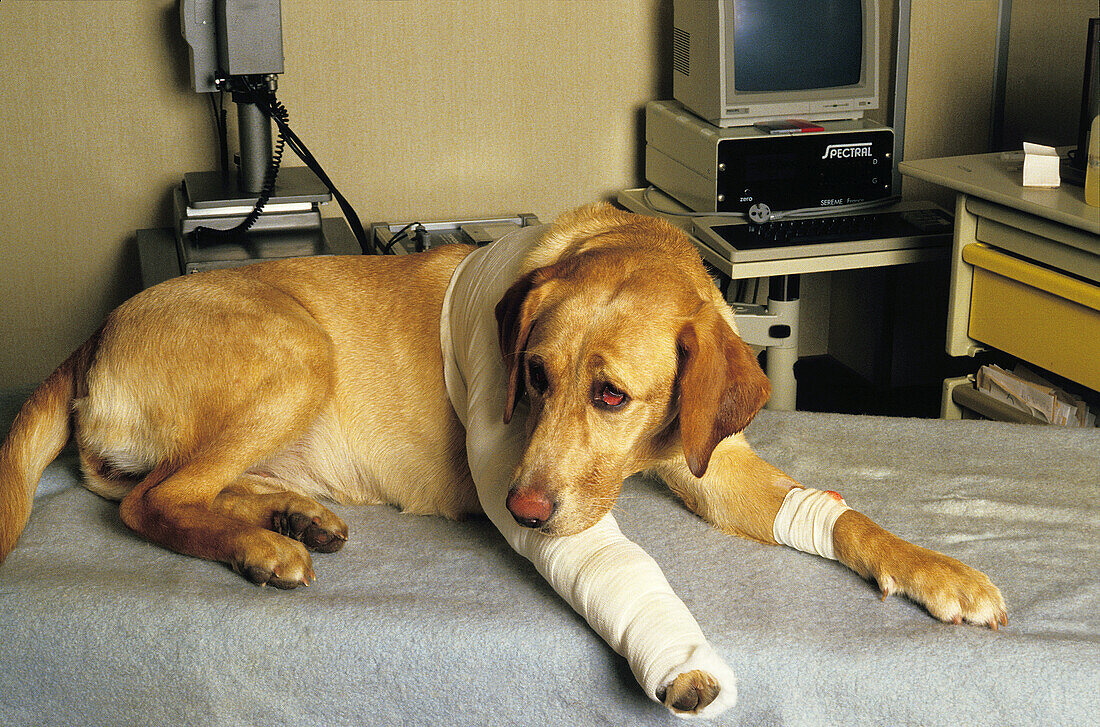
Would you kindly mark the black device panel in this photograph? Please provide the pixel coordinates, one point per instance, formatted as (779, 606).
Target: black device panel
(799, 171)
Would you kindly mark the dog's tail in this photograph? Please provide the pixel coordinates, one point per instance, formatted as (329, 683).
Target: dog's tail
(40, 431)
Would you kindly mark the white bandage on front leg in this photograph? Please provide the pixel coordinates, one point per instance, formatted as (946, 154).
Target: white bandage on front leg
(624, 596)
(610, 581)
(806, 519)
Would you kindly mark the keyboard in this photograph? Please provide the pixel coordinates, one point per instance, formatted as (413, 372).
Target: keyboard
(905, 225)
(813, 230)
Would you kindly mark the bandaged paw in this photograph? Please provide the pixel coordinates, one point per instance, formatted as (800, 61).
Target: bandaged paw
(705, 666)
(806, 519)
(622, 593)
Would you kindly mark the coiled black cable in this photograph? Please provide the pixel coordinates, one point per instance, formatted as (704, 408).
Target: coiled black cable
(277, 111)
(266, 101)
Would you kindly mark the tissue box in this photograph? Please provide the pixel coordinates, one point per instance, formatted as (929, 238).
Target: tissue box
(1041, 166)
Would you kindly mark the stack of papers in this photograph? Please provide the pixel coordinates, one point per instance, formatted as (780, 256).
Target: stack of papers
(1025, 390)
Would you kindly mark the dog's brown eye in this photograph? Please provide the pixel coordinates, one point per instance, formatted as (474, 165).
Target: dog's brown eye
(536, 376)
(608, 397)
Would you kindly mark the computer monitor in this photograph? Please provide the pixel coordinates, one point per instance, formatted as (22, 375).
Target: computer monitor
(737, 62)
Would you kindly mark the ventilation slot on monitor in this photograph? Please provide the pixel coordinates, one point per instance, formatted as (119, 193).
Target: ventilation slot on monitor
(681, 51)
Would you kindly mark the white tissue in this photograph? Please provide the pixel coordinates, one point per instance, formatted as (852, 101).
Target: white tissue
(1041, 166)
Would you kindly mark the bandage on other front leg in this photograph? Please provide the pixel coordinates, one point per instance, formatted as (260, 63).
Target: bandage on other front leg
(806, 519)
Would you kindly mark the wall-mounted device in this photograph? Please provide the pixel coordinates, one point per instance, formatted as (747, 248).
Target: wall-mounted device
(736, 62)
(252, 209)
(234, 45)
(748, 170)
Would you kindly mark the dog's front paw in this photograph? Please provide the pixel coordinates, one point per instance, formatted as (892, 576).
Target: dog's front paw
(690, 692)
(269, 559)
(701, 686)
(951, 591)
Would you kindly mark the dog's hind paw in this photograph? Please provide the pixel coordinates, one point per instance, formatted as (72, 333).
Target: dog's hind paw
(323, 531)
(268, 559)
(287, 513)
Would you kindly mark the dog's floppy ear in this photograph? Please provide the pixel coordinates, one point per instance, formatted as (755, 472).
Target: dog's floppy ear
(721, 387)
(516, 313)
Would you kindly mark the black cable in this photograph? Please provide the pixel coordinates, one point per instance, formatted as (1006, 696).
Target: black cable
(310, 161)
(217, 110)
(274, 109)
(397, 237)
(303, 152)
(265, 100)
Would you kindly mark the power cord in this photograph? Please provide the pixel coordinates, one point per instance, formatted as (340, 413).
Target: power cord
(272, 108)
(420, 234)
(217, 111)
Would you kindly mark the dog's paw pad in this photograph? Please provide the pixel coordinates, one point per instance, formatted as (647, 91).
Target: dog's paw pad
(690, 692)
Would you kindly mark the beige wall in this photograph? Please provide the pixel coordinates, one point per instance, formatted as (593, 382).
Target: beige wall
(415, 108)
(1045, 63)
(92, 132)
(950, 91)
(951, 77)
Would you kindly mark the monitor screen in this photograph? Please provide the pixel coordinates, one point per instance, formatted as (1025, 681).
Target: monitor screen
(793, 45)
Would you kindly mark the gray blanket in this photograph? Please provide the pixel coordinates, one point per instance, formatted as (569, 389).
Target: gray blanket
(425, 621)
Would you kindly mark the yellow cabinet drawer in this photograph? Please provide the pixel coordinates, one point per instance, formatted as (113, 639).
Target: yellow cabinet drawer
(1037, 314)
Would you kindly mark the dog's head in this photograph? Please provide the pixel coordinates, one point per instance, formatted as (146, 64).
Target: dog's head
(627, 355)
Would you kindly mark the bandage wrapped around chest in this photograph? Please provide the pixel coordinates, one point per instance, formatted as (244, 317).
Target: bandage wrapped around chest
(618, 588)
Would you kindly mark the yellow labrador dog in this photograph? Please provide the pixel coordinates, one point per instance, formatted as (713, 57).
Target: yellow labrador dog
(217, 407)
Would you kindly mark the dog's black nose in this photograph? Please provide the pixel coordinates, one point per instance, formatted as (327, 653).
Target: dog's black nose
(530, 507)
